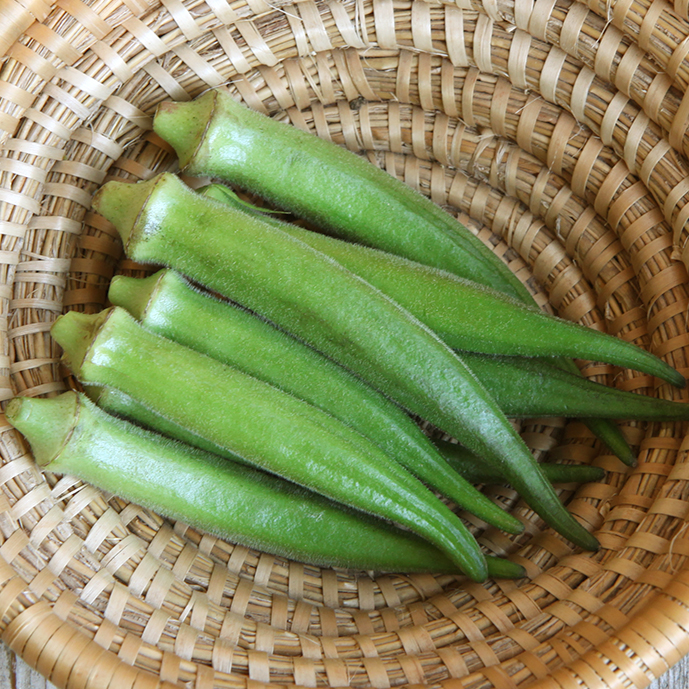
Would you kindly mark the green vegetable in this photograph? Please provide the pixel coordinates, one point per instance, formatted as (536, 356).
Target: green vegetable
(313, 297)
(336, 190)
(267, 427)
(501, 568)
(117, 403)
(354, 255)
(609, 434)
(607, 431)
(466, 463)
(471, 317)
(168, 305)
(533, 387)
(69, 435)
(460, 458)
(320, 182)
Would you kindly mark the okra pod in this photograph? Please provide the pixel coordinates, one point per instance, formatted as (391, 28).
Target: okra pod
(469, 465)
(267, 427)
(528, 388)
(606, 431)
(336, 190)
(166, 304)
(219, 137)
(315, 298)
(462, 460)
(468, 316)
(328, 185)
(69, 435)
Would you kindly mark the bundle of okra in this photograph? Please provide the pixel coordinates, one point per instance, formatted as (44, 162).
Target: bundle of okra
(289, 396)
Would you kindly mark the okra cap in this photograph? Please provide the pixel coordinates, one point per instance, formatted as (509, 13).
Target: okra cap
(183, 125)
(122, 202)
(135, 294)
(47, 424)
(74, 332)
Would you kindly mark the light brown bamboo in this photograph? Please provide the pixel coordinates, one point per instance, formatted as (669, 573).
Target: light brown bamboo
(561, 143)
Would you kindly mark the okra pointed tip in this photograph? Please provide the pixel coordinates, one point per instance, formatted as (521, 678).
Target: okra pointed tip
(611, 435)
(183, 125)
(667, 373)
(627, 458)
(595, 474)
(589, 542)
(478, 573)
(514, 527)
(680, 381)
(500, 568)
(45, 423)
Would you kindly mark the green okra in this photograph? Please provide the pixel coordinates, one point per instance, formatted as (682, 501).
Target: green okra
(69, 435)
(267, 427)
(609, 433)
(529, 388)
(323, 183)
(166, 304)
(462, 460)
(316, 299)
(338, 191)
(468, 316)
(217, 136)
(605, 430)
(468, 465)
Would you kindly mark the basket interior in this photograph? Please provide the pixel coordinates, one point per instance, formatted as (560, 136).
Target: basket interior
(556, 134)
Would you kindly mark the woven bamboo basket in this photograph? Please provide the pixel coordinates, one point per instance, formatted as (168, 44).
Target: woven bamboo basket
(556, 131)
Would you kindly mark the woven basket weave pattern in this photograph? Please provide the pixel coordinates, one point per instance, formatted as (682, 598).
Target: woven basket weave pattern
(556, 131)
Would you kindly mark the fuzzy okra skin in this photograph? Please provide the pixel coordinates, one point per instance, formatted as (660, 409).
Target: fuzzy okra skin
(607, 431)
(315, 298)
(69, 435)
(166, 304)
(468, 316)
(217, 136)
(267, 427)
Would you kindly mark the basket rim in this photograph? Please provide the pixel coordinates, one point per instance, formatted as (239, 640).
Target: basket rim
(44, 616)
